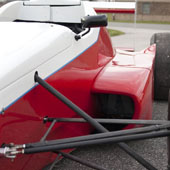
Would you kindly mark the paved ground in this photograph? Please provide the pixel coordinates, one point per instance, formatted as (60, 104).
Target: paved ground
(112, 157)
(137, 38)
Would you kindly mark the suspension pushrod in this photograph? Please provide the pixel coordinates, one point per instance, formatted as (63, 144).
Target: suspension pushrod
(81, 161)
(114, 121)
(90, 120)
(101, 135)
(97, 141)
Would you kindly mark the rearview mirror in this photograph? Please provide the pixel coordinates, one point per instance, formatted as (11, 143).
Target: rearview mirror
(94, 21)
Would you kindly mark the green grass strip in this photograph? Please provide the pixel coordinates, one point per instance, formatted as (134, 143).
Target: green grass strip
(115, 32)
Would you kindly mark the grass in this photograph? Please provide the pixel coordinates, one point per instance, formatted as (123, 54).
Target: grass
(115, 32)
(109, 17)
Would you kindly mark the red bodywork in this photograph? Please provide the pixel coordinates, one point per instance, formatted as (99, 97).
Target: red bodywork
(98, 70)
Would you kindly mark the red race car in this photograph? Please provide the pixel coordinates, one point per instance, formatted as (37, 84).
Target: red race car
(58, 65)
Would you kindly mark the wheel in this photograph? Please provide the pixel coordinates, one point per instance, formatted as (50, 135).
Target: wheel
(162, 65)
(168, 139)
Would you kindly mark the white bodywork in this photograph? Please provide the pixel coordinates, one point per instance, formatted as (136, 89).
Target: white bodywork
(20, 10)
(26, 47)
(55, 10)
(53, 2)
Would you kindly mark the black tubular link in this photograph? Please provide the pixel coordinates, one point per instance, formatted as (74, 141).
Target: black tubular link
(69, 145)
(109, 121)
(89, 119)
(100, 136)
(48, 131)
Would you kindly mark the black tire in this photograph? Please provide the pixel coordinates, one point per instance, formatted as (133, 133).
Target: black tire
(162, 65)
(168, 139)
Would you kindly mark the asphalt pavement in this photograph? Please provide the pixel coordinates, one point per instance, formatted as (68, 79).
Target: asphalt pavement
(110, 156)
(136, 36)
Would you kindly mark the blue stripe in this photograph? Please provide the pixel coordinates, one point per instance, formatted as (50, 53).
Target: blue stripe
(47, 77)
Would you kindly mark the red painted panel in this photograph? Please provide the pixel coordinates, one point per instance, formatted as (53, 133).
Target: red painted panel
(123, 11)
(130, 74)
(22, 122)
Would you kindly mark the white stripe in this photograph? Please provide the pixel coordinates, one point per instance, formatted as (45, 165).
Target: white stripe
(113, 5)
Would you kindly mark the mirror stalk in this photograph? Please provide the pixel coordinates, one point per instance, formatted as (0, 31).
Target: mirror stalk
(78, 36)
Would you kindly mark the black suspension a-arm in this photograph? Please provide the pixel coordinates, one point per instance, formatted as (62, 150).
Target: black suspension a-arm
(90, 120)
(79, 143)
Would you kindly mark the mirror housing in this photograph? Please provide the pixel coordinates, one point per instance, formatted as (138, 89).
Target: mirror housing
(94, 21)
